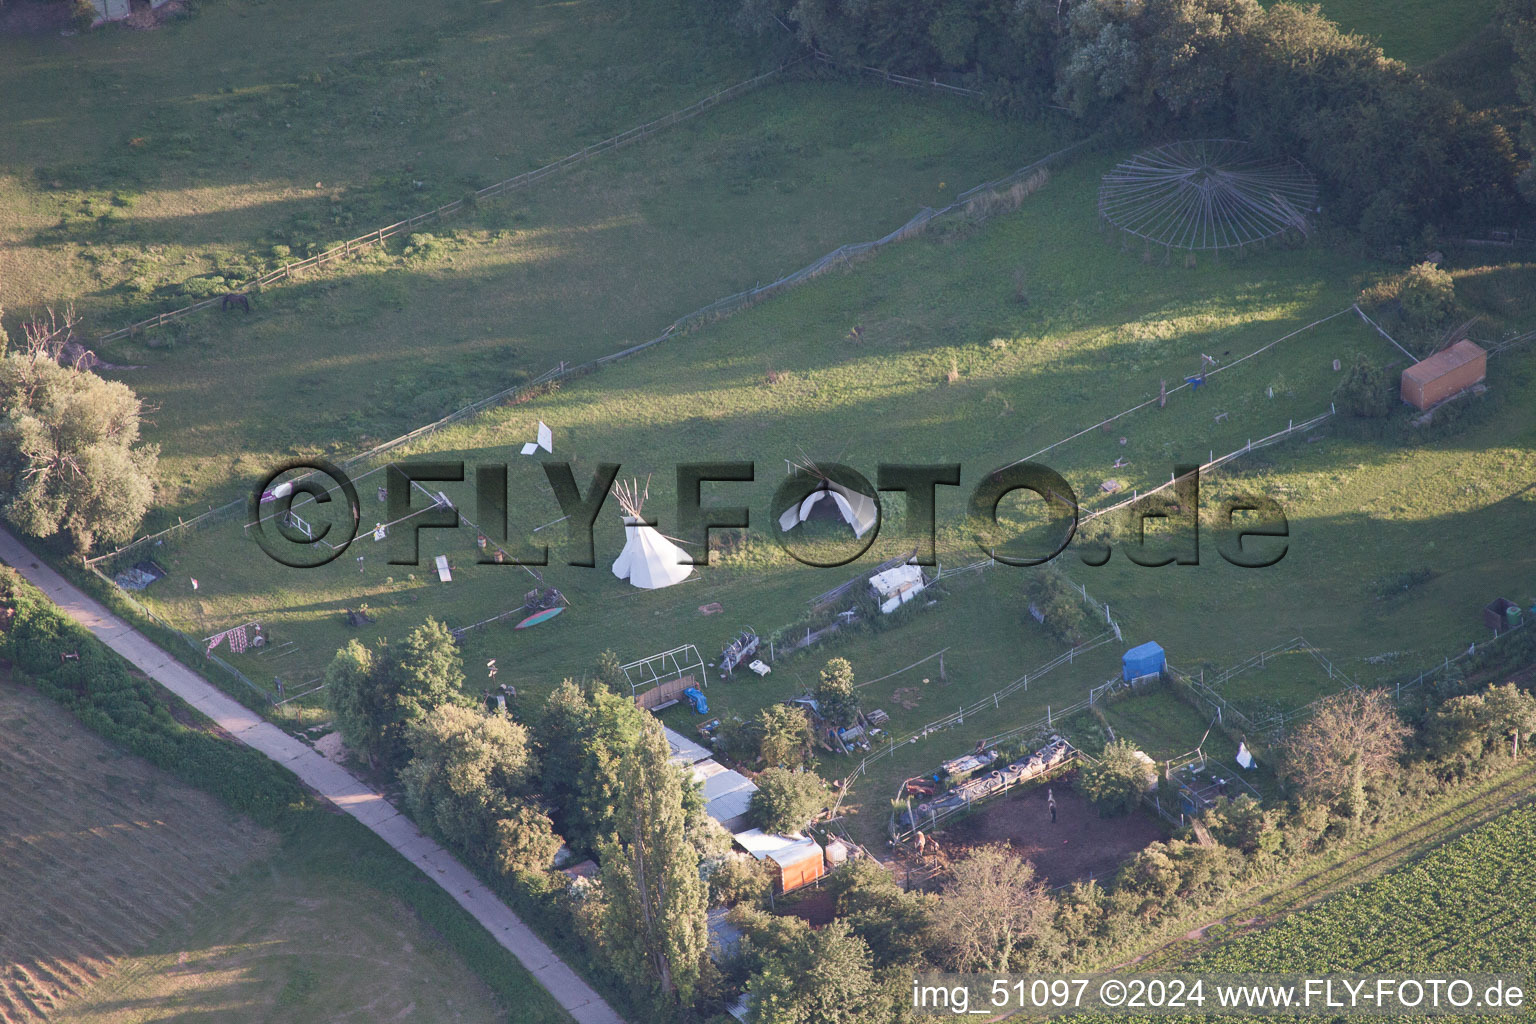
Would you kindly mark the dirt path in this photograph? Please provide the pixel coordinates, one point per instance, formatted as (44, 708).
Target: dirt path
(331, 781)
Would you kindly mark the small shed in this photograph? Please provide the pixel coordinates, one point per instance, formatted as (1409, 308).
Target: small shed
(724, 937)
(1146, 660)
(685, 752)
(727, 794)
(1444, 374)
(798, 860)
(1501, 614)
(580, 875)
(895, 587)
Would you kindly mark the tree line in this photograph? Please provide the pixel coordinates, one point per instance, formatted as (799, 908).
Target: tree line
(586, 767)
(1398, 157)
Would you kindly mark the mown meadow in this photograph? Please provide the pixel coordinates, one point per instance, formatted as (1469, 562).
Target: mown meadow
(982, 342)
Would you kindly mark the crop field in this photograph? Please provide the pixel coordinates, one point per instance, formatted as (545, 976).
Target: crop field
(127, 897)
(1466, 904)
(100, 852)
(286, 942)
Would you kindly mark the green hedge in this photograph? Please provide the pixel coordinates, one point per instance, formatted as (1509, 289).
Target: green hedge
(98, 689)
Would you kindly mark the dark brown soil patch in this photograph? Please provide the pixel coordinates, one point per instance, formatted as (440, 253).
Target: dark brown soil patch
(1078, 845)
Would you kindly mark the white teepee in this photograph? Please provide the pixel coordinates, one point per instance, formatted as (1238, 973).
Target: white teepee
(649, 560)
(859, 511)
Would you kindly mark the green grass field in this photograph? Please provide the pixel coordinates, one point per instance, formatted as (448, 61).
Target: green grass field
(1412, 32)
(135, 160)
(952, 365)
(981, 342)
(579, 266)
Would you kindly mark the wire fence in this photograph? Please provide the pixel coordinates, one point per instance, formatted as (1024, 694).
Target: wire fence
(893, 78)
(720, 308)
(993, 701)
(965, 202)
(1270, 727)
(345, 250)
(200, 648)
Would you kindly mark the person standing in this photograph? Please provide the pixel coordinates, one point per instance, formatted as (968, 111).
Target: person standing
(1050, 801)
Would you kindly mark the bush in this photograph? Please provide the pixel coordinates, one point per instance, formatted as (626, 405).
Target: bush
(82, 15)
(1367, 391)
(787, 801)
(740, 879)
(1066, 617)
(1428, 296)
(835, 696)
(1115, 783)
(99, 690)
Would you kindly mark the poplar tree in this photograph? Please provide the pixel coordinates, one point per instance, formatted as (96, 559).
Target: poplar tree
(654, 921)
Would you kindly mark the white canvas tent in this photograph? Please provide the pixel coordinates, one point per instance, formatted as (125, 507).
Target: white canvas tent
(649, 560)
(859, 511)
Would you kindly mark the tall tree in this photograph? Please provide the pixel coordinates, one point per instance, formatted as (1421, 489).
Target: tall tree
(992, 904)
(896, 925)
(357, 702)
(1519, 20)
(70, 455)
(1471, 725)
(376, 696)
(787, 801)
(654, 921)
(785, 735)
(1353, 736)
(581, 737)
(817, 977)
(835, 695)
(421, 673)
(467, 768)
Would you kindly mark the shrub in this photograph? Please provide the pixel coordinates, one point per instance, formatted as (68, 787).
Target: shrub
(1367, 390)
(1115, 783)
(786, 801)
(835, 696)
(740, 880)
(1428, 296)
(99, 690)
(82, 15)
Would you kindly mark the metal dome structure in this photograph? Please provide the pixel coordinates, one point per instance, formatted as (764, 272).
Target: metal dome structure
(1207, 194)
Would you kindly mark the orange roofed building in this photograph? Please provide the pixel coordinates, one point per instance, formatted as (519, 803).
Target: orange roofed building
(1444, 374)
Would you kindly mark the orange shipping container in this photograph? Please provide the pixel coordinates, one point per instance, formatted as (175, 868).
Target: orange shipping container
(1444, 374)
(800, 866)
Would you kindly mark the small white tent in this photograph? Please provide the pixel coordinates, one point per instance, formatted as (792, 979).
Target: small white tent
(649, 560)
(859, 511)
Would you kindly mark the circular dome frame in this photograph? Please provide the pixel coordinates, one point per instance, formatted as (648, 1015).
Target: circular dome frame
(1207, 194)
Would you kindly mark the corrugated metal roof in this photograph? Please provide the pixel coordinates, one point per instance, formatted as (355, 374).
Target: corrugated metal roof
(727, 794)
(685, 752)
(1441, 363)
(782, 850)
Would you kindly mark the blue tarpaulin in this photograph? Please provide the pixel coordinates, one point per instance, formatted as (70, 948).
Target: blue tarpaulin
(1145, 660)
